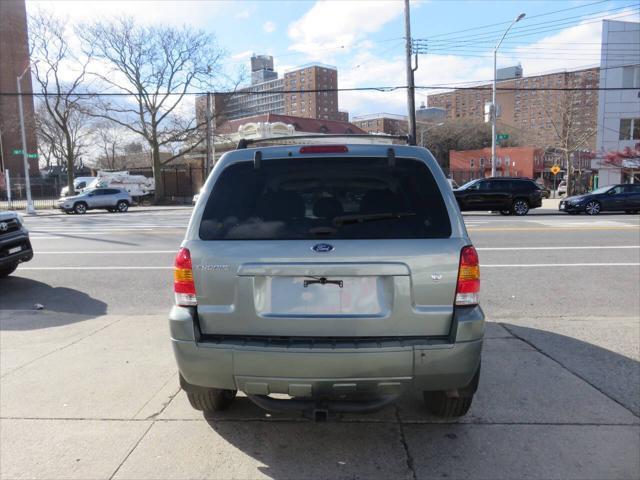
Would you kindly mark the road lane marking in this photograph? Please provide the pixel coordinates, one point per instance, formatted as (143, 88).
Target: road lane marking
(547, 229)
(600, 247)
(100, 252)
(504, 265)
(95, 268)
(480, 249)
(515, 265)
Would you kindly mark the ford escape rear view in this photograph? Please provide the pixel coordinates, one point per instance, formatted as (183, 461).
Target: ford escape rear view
(338, 275)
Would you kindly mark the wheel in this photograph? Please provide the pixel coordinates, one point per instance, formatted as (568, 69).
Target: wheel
(122, 206)
(444, 406)
(80, 208)
(211, 400)
(8, 269)
(505, 212)
(520, 207)
(592, 208)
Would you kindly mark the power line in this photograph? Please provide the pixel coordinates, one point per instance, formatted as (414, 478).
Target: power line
(509, 21)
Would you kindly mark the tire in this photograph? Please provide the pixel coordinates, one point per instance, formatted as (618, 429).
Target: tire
(439, 404)
(592, 208)
(122, 206)
(505, 212)
(8, 269)
(80, 208)
(211, 400)
(520, 207)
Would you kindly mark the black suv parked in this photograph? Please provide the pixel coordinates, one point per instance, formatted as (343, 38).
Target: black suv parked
(508, 195)
(15, 246)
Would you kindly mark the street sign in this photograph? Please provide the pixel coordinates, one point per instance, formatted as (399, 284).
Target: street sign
(555, 169)
(502, 136)
(18, 151)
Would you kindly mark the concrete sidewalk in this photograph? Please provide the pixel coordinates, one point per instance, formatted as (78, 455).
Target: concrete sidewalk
(97, 397)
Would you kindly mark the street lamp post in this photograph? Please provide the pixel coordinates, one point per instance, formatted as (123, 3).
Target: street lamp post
(30, 208)
(493, 99)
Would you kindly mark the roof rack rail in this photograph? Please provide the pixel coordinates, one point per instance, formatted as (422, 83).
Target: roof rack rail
(245, 142)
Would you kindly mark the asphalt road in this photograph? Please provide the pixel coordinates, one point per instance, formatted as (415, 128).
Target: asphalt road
(89, 387)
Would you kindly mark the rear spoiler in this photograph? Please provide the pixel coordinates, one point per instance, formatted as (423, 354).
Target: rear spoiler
(245, 142)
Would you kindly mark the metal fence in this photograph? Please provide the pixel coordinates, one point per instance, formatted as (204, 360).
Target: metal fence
(180, 183)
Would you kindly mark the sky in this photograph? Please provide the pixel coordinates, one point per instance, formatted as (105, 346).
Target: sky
(365, 39)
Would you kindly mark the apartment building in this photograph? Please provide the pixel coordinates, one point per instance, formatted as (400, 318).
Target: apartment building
(308, 91)
(618, 138)
(14, 58)
(534, 105)
(387, 123)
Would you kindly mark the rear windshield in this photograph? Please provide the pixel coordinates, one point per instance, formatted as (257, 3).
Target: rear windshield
(339, 198)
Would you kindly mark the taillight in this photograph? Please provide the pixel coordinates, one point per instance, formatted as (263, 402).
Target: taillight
(468, 289)
(324, 149)
(183, 286)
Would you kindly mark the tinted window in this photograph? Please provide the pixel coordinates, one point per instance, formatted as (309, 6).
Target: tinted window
(525, 185)
(325, 198)
(499, 185)
(111, 191)
(633, 188)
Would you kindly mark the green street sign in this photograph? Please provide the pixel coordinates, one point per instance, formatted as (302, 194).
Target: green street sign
(18, 151)
(502, 136)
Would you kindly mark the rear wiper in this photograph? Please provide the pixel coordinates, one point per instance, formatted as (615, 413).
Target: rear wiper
(372, 217)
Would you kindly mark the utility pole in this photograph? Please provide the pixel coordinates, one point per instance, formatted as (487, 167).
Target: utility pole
(30, 209)
(494, 110)
(208, 162)
(411, 91)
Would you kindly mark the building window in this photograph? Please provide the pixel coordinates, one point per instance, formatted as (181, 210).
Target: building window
(629, 129)
(631, 76)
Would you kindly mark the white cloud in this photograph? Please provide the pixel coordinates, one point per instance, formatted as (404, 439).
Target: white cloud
(242, 55)
(331, 25)
(174, 12)
(570, 48)
(243, 14)
(269, 26)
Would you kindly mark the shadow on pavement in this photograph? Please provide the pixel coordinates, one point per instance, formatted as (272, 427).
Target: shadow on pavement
(18, 293)
(515, 394)
(616, 375)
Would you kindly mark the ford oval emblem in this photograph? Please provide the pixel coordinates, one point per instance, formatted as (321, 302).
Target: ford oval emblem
(322, 248)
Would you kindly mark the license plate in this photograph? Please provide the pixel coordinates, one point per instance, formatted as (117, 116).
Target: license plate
(14, 250)
(289, 296)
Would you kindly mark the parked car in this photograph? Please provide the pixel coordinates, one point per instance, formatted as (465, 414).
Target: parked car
(340, 275)
(562, 188)
(452, 183)
(508, 195)
(604, 199)
(15, 246)
(111, 199)
(79, 184)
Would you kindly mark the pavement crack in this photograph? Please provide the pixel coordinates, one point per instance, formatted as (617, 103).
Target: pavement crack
(405, 446)
(144, 434)
(576, 374)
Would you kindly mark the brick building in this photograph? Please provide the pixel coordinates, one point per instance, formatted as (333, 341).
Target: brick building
(273, 95)
(388, 123)
(14, 58)
(510, 161)
(530, 111)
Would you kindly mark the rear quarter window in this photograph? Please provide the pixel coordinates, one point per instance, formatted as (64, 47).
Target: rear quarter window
(330, 198)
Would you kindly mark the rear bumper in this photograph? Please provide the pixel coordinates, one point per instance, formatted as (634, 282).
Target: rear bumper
(385, 367)
(12, 241)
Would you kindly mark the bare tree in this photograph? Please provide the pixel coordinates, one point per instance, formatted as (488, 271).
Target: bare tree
(571, 130)
(60, 75)
(110, 142)
(155, 67)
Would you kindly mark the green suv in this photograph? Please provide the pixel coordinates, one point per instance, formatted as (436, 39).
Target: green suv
(337, 275)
